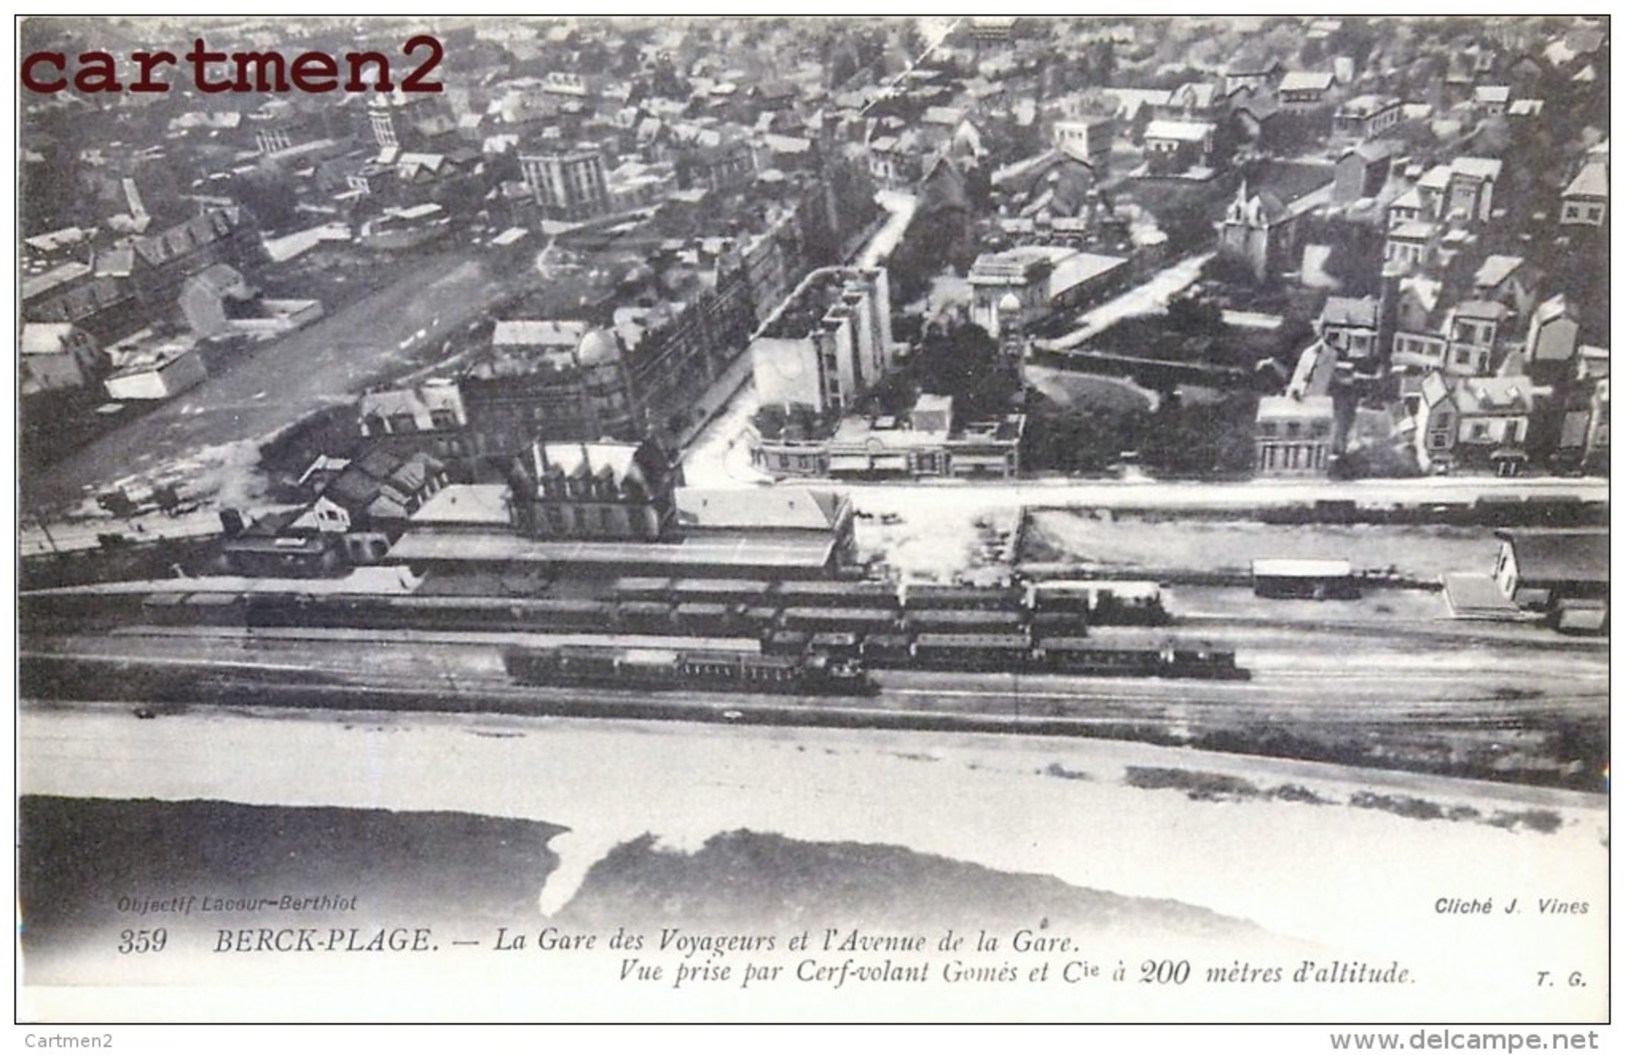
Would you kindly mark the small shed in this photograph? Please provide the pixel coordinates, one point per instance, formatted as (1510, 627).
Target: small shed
(1543, 568)
(1318, 580)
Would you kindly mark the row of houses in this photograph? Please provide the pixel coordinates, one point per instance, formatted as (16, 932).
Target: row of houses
(1470, 362)
(603, 508)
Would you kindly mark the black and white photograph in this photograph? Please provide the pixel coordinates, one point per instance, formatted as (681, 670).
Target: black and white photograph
(765, 518)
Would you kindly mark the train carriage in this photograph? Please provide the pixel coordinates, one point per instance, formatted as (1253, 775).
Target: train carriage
(986, 652)
(678, 670)
(214, 609)
(761, 619)
(888, 650)
(814, 593)
(786, 642)
(964, 621)
(641, 588)
(837, 644)
(646, 617)
(1058, 624)
(543, 614)
(703, 618)
(857, 620)
(1102, 602)
(719, 591)
(921, 596)
(1128, 604)
(1133, 653)
(1079, 655)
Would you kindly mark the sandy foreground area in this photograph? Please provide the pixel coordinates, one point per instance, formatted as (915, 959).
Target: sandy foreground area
(1358, 884)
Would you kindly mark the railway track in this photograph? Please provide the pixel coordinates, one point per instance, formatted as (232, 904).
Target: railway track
(463, 674)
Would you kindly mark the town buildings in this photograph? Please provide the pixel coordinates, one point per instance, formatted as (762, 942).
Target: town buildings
(567, 185)
(829, 341)
(929, 442)
(1585, 199)
(598, 491)
(56, 355)
(549, 379)
(1264, 232)
(1044, 279)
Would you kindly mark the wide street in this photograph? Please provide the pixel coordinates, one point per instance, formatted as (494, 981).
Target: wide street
(279, 382)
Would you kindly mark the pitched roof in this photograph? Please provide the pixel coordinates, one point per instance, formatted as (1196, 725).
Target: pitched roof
(1366, 105)
(1493, 395)
(1481, 309)
(61, 275)
(1592, 182)
(1185, 131)
(1129, 100)
(485, 504)
(1269, 206)
(1559, 556)
(1479, 168)
(1411, 199)
(1259, 104)
(429, 397)
(1425, 290)
(1553, 308)
(220, 279)
(1435, 178)
(46, 338)
(1252, 67)
(782, 508)
(544, 333)
(1196, 94)
(1434, 389)
(1314, 372)
(1412, 229)
(1496, 270)
(1350, 311)
(1273, 408)
(616, 462)
(1305, 80)
(177, 241)
(1374, 150)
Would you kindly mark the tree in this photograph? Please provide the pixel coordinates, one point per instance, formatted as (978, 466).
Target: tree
(1353, 38)
(1079, 440)
(1202, 439)
(1227, 269)
(49, 174)
(1105, 63)
(1195, 315)
(269, 195)
(962, 361)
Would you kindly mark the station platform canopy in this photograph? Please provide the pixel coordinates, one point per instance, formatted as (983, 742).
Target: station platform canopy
(720, 552)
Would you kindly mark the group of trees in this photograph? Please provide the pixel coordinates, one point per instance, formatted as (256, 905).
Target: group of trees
(959, 359)
(790, 421)
(1210, 438)
(954, 357)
